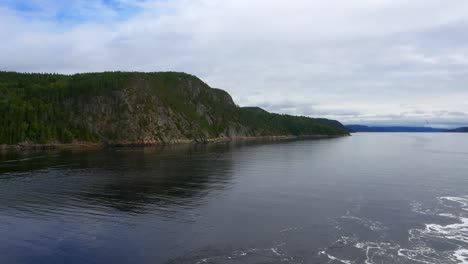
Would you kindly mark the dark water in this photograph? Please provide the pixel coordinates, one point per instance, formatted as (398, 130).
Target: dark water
(369, 198)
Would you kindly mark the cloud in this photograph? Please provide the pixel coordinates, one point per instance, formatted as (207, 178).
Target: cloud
(357, 60)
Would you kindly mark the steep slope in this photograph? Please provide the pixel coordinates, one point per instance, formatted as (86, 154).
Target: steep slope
(134, 108)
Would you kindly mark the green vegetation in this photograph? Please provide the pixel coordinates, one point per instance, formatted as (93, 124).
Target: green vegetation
(131, 107)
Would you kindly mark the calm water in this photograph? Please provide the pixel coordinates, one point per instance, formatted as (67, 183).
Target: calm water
(369, 198)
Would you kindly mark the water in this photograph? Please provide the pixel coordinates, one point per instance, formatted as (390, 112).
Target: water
(369, 198)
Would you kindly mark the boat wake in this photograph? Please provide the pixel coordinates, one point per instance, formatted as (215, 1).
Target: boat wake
(274, 254)
(445, 241)
(355, 239)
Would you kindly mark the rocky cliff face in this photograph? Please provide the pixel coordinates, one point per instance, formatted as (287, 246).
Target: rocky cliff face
(138, 114)
(152, 108)
(132, 114)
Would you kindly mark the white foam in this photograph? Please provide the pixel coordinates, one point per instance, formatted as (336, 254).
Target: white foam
(422, 241)
(290, 229)
(461, 255)
(371, 224)
(448, 215)
(463, 201)
(373, 250)
(275, 250)
(345, 240)
(457, 231)
(455, 234)
(417, 208)
(335, 258)
(421, 255)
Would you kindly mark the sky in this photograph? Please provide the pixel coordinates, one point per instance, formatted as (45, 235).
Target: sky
(372, 62)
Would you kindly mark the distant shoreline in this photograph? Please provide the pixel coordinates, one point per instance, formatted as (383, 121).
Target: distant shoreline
(137, 144)
(399, 129)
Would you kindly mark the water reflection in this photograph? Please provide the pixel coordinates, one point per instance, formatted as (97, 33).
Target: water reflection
(129, 180)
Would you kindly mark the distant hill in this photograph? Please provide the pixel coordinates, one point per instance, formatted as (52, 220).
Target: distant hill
(135, 108)
(460, 130)
(361, 128)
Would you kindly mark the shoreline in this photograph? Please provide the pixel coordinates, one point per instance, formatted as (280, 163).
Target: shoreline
(83, 145)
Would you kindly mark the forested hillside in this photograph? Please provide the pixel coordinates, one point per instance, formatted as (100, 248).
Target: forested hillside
(133, 108)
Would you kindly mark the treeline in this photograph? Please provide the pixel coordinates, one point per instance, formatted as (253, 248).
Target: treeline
(33, 108)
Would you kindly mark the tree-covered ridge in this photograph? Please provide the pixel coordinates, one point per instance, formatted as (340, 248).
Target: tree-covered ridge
(132, 107)
(460, 129)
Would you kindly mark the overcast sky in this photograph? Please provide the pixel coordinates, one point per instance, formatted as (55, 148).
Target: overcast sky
(375, 62)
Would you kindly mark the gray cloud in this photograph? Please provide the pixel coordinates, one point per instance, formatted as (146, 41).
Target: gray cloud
(358, 61)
